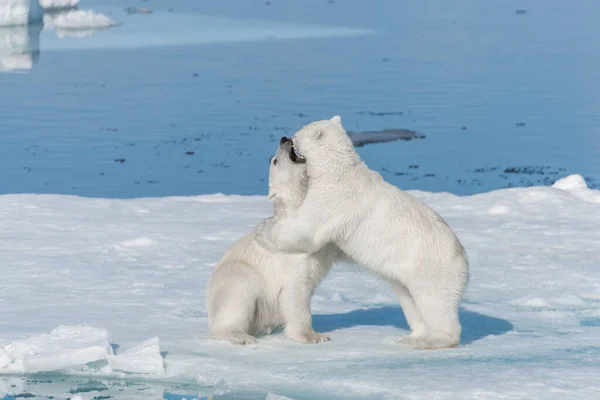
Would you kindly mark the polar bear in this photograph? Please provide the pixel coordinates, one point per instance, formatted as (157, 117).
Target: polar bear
(381, 228)
(253, 290)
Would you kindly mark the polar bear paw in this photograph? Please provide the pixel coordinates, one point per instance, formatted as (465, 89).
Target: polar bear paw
(239, 338)
(423, 342)
(310, 338)
(414, 341)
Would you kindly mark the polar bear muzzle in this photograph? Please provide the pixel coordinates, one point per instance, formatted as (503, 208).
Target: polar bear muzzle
(287, 144)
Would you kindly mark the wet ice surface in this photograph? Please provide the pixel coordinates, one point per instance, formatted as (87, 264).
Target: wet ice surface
(192, 96)
(135, 271)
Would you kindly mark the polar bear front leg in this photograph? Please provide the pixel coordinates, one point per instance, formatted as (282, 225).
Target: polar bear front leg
(290, 235)
(295, 306)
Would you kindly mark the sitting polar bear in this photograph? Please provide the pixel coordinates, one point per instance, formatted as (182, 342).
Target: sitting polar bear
(253, 290)
(381, 228)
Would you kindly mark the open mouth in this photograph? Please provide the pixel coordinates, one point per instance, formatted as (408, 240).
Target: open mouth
(288, 145)
(295, 157)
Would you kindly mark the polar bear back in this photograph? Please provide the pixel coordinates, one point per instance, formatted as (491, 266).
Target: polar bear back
(371, 220)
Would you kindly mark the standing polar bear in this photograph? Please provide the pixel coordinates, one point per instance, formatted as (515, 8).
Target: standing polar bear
(254, 290)
(381, 228)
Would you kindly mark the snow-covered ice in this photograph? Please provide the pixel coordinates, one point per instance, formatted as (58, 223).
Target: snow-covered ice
(137, 269)
(20, 12)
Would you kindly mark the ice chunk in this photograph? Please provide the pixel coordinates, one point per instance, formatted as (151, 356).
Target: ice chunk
(144, 358)
(5, 359)
(20, 12)
(78, 20)
(387, 135)
(19, 47)
(73, 347)
(220, 385)
(133, 10)
(64, 347)
(50, 5)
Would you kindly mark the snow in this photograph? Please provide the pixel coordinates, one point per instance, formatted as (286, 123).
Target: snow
(20, 12)
(575, 184)
(50, 5)
(102, 274)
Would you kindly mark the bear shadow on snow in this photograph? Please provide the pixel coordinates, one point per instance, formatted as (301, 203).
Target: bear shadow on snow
(475, 326)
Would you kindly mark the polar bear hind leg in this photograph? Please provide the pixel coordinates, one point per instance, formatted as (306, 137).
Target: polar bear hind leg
(439, 311)
(415, 322)
(239, 305)
(443, 326)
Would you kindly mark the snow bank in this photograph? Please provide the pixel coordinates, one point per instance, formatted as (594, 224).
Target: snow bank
(54, 5)
(575, 184)
(138, 269)
(19, 47)
(74, 347)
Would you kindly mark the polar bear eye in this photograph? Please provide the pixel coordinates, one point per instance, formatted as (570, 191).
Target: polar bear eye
(274, 161)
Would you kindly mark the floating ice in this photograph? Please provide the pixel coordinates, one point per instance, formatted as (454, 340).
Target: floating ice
(78, 20)
(64, 347)
(144, 358)
(20, 12)
(50, 5)
(387, 135)
(19, 47)
(74, 347)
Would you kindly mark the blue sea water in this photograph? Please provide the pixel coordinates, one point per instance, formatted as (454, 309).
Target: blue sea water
(192, 98)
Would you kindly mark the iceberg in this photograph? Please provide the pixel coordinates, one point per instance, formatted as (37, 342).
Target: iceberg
(51, 5)
(20, 12)
(19, 47)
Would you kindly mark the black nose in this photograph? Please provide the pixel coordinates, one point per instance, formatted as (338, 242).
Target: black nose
(283, 140)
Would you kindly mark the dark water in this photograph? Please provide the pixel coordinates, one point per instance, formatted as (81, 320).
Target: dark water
(162, 106)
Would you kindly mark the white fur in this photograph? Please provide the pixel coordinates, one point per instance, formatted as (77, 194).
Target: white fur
(253, 290)
(381, 228)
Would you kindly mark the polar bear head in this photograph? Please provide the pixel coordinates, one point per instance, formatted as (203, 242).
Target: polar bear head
(325, 147)
(288, 181)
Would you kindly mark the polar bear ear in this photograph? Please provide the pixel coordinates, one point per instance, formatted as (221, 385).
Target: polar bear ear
(317, 133)
(337, 120)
